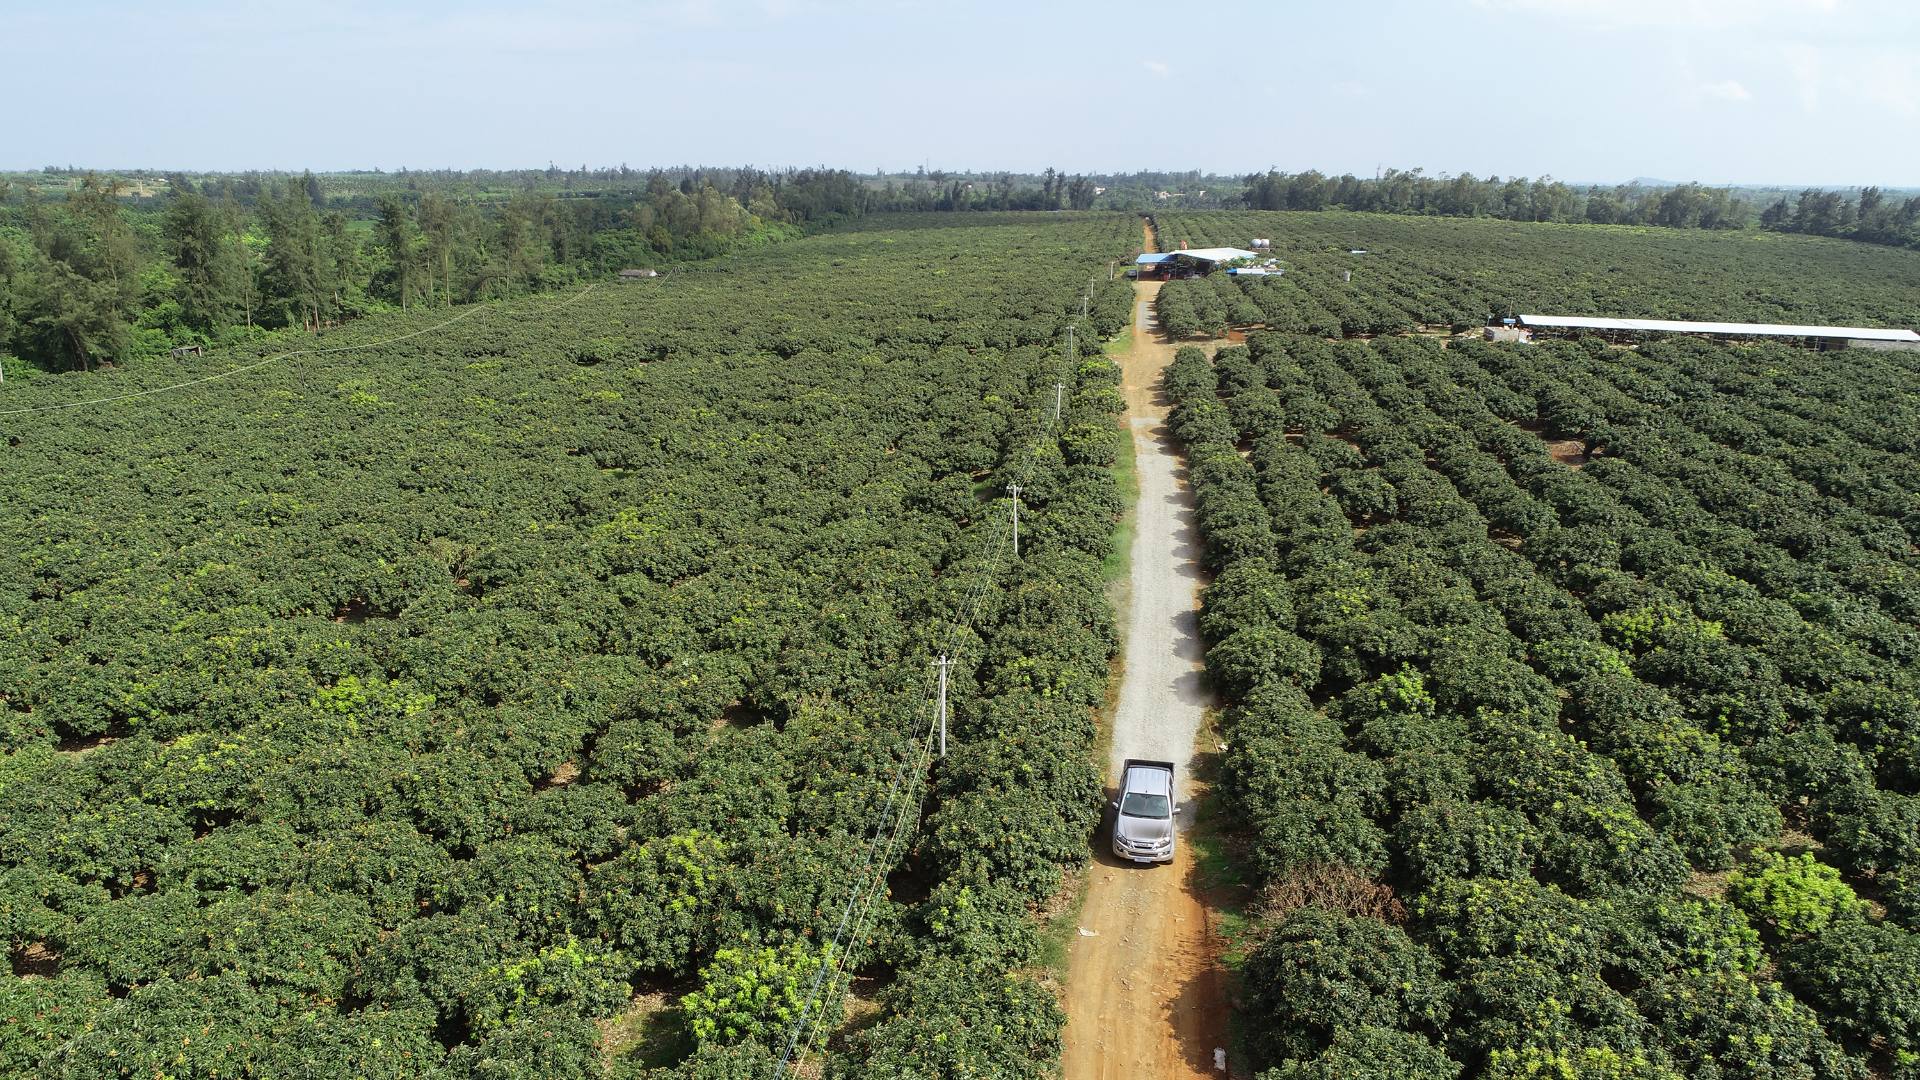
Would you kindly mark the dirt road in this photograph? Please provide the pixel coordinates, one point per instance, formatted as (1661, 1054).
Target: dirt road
(1145, 995)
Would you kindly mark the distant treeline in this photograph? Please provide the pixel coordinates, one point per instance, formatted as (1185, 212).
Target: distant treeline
(810, 192)
(108, 268)
(97, 269)
(1684, 206)
(1871, 216)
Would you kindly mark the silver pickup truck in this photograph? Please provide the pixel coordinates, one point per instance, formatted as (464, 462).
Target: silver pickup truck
(1143, 824)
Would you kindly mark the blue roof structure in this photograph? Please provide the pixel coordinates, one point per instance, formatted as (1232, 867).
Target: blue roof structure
(1153, 257)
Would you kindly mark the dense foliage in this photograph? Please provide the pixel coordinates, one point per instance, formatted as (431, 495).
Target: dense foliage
(1543, 638)
(1870, 214)
(1413, 191)
(122, 267)
(98, 269)
(1439, 272)
(447, 707)
(94, 277)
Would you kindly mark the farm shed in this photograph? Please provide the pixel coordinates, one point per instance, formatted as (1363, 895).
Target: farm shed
(1826, 337)
(1212, 257)
(1151, 265)
(1187, 262)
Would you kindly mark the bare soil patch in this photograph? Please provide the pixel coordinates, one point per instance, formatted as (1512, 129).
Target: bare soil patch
(35, 961)
(82, 745)
(563, 774)
(1569, 452)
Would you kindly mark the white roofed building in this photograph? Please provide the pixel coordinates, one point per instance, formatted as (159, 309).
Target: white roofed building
(1832, 337)
(1215, 256)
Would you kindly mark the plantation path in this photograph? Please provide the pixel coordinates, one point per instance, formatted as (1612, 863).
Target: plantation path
(1146, 996)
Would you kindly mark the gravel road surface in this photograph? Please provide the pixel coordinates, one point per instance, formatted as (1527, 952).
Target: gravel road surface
(1145, 991)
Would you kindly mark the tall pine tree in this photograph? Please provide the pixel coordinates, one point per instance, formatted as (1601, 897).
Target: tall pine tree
(203, 259)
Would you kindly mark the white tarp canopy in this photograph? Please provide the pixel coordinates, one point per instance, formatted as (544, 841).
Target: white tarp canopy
(1731, 329)
(1216, 255)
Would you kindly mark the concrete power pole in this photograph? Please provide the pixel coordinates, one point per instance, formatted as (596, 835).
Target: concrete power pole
(943, 664)
(1059, 392)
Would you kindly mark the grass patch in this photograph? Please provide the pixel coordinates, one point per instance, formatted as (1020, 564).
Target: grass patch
(1212, 856)
(1220, 875)
(1126, 478)
(1213, 847)
(651, 1033)
(1120, 343)
(1063, 926)
(1233, 919)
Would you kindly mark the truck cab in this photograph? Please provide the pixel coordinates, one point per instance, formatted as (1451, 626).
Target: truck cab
(1143, 818)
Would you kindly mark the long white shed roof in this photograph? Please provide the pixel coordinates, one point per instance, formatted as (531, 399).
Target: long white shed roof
(1217, 255)
(1677, 326)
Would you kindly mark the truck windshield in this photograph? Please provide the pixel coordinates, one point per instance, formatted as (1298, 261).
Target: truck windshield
(1138, 805)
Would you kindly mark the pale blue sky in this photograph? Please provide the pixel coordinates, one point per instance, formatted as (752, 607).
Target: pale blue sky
(1765, 91)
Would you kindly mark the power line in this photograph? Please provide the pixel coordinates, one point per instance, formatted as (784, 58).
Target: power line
(892, 823)
(888, 824)
(217, 376)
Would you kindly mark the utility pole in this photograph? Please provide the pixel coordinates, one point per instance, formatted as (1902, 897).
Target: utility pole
(1059, 392)
(1014, 491)
(1070, 352)
(943, 663)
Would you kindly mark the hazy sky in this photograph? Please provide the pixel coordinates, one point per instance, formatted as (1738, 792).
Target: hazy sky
(1788, 91)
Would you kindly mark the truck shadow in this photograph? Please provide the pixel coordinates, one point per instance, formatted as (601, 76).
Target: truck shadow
(1196, 1012)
